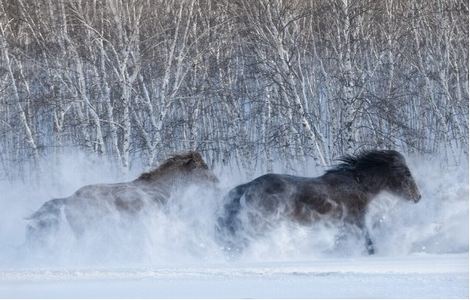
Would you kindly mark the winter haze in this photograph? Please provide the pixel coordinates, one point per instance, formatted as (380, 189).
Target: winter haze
(101, 91)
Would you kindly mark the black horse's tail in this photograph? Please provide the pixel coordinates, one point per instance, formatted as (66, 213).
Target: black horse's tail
(229, 224)
(45, 221)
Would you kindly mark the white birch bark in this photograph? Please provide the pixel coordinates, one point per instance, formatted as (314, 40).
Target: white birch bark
(24, 120)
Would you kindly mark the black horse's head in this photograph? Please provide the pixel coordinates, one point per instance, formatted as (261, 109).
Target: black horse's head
(400, 181)
(383, 169)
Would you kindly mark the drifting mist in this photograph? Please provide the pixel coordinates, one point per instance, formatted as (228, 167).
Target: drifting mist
(184, 230)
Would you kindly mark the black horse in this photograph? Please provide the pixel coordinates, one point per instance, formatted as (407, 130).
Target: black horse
(342, 193)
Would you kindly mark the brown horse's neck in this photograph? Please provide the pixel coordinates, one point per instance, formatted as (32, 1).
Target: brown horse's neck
(162, 178)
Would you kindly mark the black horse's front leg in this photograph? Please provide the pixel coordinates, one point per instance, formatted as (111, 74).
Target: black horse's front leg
(361, 224)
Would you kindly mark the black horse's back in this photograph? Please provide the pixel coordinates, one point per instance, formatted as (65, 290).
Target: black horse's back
(269, 184)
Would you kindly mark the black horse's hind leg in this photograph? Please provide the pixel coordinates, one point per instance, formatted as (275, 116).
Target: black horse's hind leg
(369, 245)
(227, 231)
(229, 225)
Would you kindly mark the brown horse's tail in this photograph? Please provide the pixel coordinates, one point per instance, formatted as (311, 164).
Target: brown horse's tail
(45, 220)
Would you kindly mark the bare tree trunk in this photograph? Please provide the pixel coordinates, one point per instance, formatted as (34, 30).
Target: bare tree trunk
(24, 120)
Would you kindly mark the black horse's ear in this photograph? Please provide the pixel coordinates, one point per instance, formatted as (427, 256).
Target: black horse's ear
(358, 177)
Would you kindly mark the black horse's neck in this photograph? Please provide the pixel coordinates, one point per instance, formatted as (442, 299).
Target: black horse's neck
(372, 181)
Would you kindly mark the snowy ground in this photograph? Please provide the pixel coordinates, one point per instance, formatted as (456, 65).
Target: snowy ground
(415, 276)
(422, 249)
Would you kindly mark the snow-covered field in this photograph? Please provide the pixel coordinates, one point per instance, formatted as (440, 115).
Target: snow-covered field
(414, 276)
(422, 249)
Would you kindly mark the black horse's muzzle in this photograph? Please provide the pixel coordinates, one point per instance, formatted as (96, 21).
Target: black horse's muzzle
(417, 198)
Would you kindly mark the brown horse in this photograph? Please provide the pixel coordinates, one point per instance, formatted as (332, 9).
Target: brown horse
(122, 200)
(342, 193)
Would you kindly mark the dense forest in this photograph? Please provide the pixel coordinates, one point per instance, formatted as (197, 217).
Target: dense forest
(245, 81)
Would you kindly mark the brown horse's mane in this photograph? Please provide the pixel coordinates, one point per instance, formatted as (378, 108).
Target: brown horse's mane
(177, 162)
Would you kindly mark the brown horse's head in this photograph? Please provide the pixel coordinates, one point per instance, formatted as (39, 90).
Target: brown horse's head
(189, 167)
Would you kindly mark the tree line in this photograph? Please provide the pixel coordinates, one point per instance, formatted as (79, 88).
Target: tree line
(245, 81)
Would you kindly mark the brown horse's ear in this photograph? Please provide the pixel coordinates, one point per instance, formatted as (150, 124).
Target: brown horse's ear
(145, 176)
(190, 164)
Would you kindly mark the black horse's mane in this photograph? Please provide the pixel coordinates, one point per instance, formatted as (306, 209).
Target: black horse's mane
(367, 160)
